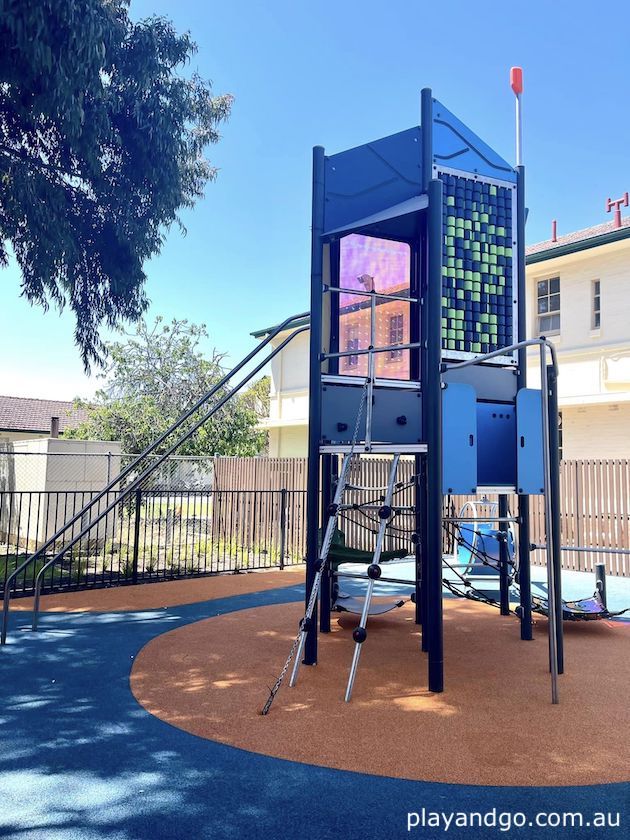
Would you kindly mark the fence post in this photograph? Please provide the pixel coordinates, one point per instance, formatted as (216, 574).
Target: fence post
(136, 535)
(600, 582)
(578, 514)
(283, 525)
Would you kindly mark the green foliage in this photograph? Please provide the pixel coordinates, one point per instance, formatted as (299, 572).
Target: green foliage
(152, 377)
(101, 145)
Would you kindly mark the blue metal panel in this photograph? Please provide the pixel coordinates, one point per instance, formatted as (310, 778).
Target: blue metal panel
(371, 178)
(455, 145)
(496, 450)
(531, 470)
(459, 439)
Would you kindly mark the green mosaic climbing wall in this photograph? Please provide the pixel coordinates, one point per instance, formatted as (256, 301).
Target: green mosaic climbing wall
(477, 268)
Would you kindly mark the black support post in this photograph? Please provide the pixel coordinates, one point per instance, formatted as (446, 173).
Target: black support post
(419, 499)
(314, 414)
(555, 556)
(600, 582)
(432, 410)
(422, 590)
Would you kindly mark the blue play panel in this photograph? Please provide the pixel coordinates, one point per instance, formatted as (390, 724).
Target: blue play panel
(81, 760)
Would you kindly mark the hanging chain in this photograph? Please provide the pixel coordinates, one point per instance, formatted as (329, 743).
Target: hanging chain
(324, 561)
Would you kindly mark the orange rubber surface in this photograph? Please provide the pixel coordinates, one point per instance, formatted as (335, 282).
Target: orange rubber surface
(153, 596)
(493, 725)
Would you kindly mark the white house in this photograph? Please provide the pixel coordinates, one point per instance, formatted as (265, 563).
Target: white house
(578, 294)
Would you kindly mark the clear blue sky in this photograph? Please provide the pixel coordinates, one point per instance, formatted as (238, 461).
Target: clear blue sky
(340, 74)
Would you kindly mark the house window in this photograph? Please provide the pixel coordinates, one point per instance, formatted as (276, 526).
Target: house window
(596, 314)
(548, 309)
(352, 343)
(396, 334)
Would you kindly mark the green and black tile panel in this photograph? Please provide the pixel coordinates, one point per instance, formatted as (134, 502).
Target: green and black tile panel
(477, 291)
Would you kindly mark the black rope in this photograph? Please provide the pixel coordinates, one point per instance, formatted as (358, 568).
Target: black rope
(480, 555)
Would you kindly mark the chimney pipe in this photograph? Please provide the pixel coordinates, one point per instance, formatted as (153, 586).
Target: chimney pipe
(54, 427)
(616, 204)
(554, 231)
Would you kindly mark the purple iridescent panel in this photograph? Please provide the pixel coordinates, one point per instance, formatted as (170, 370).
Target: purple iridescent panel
(382, 265)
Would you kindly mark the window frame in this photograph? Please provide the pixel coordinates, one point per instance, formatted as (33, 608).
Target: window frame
(596, 304)
(549, 313)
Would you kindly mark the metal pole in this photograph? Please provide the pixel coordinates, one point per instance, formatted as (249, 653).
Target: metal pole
(519, 131)
(314, 411)
(554, 461)
(370, 389)
(432, 403)
(584, 549)
(504, 586)
(516, 83)
(524, 560)
(481, 519)
(549, 529)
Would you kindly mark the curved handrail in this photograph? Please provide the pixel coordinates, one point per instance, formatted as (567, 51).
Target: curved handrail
(545, 345)
(152, 467)
(542, 342)
(138, 481)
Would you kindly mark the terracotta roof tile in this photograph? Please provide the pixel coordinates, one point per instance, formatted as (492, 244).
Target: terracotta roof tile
(31, 415)
(577, 236)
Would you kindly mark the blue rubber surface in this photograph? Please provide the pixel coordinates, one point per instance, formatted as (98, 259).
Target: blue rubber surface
(575, 585)
(81, 760)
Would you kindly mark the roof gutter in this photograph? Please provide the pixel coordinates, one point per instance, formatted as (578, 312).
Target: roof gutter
(580, 245)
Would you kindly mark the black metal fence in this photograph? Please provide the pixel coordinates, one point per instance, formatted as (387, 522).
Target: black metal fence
(151, 535)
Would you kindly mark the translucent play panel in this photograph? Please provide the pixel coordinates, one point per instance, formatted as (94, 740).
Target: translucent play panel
(383, 266)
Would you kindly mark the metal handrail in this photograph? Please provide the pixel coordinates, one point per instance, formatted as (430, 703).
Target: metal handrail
(151, 468)
(584, 549)
(544, 344)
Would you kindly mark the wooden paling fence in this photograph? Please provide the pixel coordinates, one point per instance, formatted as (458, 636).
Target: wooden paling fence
(595, 504)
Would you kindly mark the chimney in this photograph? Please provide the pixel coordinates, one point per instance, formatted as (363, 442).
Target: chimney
(554, 231)
(616, 204)
(54, 427)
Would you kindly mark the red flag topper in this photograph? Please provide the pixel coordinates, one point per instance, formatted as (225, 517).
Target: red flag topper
(516, 80)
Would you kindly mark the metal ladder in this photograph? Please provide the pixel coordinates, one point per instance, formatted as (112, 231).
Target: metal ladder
(322, 562)
(374, 570)
(359, 634)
